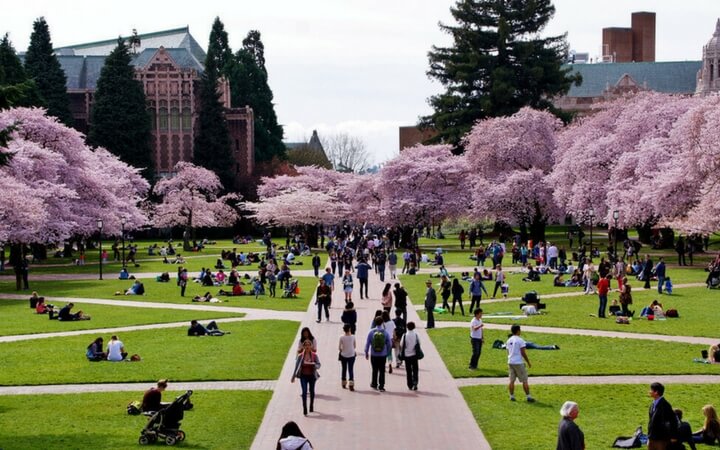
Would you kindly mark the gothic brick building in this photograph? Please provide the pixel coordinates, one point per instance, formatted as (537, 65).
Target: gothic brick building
(169, 65)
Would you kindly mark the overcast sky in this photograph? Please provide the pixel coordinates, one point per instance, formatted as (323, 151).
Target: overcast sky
(353, 66)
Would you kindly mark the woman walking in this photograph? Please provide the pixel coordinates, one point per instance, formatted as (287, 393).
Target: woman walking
(346, 347)
(347, 282)
(387, 298)
(305, 335)
(457, 292)
(409, 347)
(306, 369)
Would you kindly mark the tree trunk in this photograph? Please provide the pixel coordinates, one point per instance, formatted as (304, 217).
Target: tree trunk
(187, 234)
(524, 232)
(406, 237)
(645, 233)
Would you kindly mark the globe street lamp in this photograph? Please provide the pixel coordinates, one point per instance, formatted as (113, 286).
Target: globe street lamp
(592, 214)
(616, 216)
(122, 228)
(100, 228)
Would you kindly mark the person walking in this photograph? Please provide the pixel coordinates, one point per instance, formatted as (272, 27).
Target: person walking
(349, 316)
(457, 292)
(680, 249)
(662, 423)
(323, 296)
(401, 296)
(346, 347)
(647, 271)
(515, 346)
(570, 436)
(410, 348)
(316, 264)
(363, 269)
(182, 281)
(347, 282)
(476, 338)
(445, 291)
(377, 346)
(380, 262)
(603, 287)
(307, 364)
(291, 438)
(392, 264)
(476, 289)
(430, 302)
(387, 297)
(660, 274)
(499, 280)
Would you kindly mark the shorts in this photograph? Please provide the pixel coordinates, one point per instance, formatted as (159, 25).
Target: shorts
(518, 371)
(348, 290)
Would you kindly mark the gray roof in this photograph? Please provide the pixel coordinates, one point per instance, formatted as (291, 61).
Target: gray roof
(677, 77)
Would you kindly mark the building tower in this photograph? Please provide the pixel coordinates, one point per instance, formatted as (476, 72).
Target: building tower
(707, 77)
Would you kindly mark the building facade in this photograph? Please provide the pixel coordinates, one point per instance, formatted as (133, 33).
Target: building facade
(169, 66)
(708, 77)
(634, 44)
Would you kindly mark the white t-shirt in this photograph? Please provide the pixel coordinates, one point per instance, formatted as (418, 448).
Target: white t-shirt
(500, 276)
(409, 340)
(476, 334)
(115, 350)
(514, 344)
(390, 328)
(347, 344)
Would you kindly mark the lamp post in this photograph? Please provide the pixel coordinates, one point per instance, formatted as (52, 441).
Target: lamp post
(592, 214)
(616, 216)
(100, 228)
(122, 230)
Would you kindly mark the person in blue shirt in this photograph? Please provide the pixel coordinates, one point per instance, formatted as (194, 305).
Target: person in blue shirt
(476, 289)
(363, 269)
(378, 354)
(660, 274)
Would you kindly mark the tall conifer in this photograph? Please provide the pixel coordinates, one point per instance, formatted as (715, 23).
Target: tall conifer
(119, 120)
(43, 66)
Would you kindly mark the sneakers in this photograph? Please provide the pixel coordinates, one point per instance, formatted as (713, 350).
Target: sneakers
(512, 398)
(390, 368)
(381, 389)
(557, 347)
(530, 399)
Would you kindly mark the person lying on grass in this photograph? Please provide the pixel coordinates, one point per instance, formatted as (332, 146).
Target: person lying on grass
(196, 329)
(64, 315)
(206, 298)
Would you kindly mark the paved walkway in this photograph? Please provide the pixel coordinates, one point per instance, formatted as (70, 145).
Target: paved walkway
(596, 379)
(586, 332)
(364, 419)
(259, 385)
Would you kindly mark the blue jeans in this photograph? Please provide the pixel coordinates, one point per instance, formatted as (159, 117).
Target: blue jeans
(661, 281)
(305, 382)
(603, 305)
(381, 270)
(476, 350)
(348, 365)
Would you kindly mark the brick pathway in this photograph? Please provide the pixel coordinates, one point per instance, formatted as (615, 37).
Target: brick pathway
(430, 418)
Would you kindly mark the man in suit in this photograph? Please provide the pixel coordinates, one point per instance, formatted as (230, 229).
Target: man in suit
(430, 301)
(663, 423)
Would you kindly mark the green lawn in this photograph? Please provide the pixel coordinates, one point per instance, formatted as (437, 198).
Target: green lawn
(25, 321)
(255, 350)
(167, 292)
(578, 355)
(99, 421)
(606, 412)
(698, 310)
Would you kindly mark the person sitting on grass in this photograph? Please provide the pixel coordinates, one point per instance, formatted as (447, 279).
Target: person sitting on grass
(442, 272)
(714, 354)
(152, 399)
(34, 300)
(486, 275)
(163, 278)
(558, 280)
(220, 278)
(124, 274)
(614, 308)
(64, 315)
(42, 307)
(95, 350)
(116, 350)
(710, 432)
(136, 289)
(533, 275)
(178, 260)
(196, 329)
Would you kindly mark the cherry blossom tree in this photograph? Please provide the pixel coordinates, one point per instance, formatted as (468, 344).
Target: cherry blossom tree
(510, 159)
(190, 199)
(56, 187)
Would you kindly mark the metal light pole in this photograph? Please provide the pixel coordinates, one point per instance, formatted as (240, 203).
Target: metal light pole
(616, 216)
(122, 228)
(100, 228)
(592, 214)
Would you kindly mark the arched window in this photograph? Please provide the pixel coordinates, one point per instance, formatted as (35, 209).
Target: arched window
(152, 113)
(174, 115)
(186, 119)
(163, 115)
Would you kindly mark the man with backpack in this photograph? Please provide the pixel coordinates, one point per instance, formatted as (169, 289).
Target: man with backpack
(377, 346)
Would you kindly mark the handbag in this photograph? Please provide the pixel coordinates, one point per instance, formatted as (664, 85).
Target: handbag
(418, 351)
(401, 356)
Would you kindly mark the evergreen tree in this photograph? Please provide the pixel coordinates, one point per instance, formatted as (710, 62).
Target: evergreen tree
(15, 87)
(119, 120)
(43, 66)
(249, 87)
(212, 139)
(496, 65)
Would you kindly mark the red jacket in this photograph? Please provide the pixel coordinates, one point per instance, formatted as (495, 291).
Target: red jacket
(603, 286)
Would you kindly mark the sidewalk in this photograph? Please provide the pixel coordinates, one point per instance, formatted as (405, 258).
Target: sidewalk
(364, 419)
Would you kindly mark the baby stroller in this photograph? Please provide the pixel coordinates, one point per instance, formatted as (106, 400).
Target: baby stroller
(291, 289)
(165, 424)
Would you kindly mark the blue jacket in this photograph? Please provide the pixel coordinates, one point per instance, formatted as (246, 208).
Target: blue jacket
(368, 343)
(476, 287)
(362, 270)
(660, 270)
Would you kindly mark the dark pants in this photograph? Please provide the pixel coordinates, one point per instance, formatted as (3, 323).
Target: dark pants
(430, 318)
(333, 267)
(340, 269)
(182, 289)
(305, 382)
(317, 271)
(378, 372)
(403, 312)
(625, 309)
(411, 371)
(323, 304)
(661, 281)
(381, 270)
(476, 351)
(457, 300)
(646, 277)
(474, 302)
(445, 298)
(348, 365)
(363, 283)
(681, 259)
(498, 285)
(603, 305)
